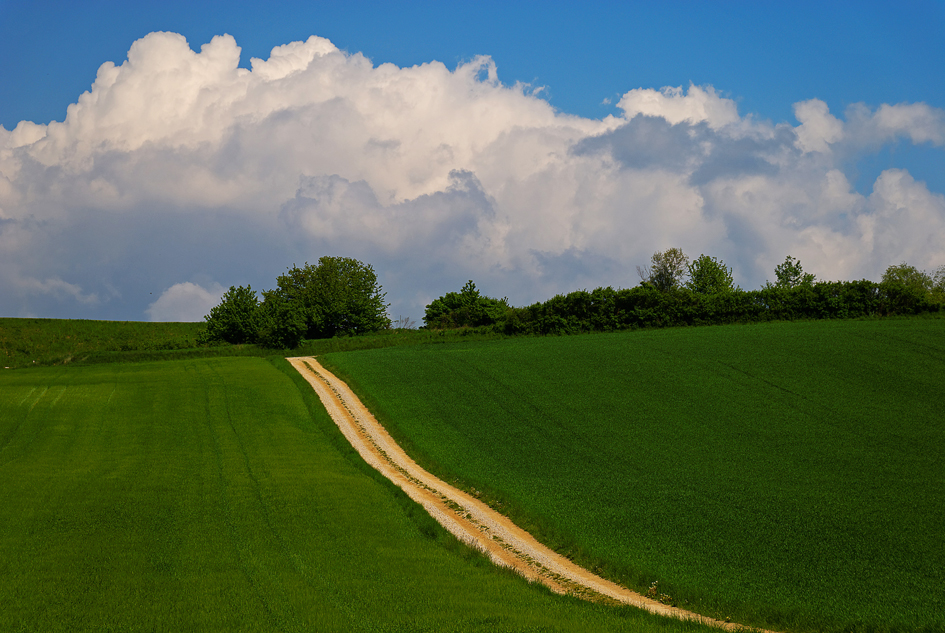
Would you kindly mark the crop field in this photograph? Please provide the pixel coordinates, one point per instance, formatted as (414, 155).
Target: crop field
(30, 342)
(786, 475)
(216, 495)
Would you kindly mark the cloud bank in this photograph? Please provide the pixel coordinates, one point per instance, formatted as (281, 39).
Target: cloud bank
(179, 174)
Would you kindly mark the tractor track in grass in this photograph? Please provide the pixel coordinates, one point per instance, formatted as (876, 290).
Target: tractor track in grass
(467, 518)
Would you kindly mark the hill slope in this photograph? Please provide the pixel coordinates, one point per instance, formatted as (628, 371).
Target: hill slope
(216, 495)
(787, 474)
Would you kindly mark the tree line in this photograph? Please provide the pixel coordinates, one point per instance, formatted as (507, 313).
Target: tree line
(341, 296)
(675, 291)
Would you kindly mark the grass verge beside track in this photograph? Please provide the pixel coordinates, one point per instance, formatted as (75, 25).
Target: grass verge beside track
(216, 495)
(787, 475)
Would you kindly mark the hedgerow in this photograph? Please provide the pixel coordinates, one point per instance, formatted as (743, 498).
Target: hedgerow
(671, 303)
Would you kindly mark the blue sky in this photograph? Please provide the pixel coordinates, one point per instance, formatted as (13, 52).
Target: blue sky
(764, 55)
(763, 58)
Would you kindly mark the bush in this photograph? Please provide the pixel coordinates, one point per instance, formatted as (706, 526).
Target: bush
(466, 308)
(339, 296)
(234, 319)
(280, 321)
(645, 306)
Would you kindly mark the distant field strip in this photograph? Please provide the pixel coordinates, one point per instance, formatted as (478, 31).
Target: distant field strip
(32, 342)
(787, 476)
(467, 518)
(216, 495)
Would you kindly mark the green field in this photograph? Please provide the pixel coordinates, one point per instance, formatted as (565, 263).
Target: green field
(45, 342)
(31, 342)
(788, 475)
(216, 495)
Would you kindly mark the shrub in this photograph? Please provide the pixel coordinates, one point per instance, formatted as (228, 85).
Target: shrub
(466, 308)
(234, 319)
(281, 322)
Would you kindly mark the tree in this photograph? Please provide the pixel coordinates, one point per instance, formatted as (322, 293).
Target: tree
(234, 319)
(791, 274)
(439, 312)
(938, 284)
(708, 275)
(667, 269)
(464, 308)
(909, 290)
(340, 295)
(280, 321)
(910, 277)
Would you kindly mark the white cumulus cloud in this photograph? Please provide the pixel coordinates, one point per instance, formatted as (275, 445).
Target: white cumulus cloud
(178, 164)
(695, 105)
(818, 128)
(185, 301)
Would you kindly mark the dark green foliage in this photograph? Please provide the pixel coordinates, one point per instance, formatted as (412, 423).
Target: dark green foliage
(938, 285)
(787, 475)
(707, 298)
(910, 290)
(708, 275)
(339, 296)
(280, 320)
(573, 313)
(667, 269)
(644, 306)
(908, 276)
(234, 319)
(791, 274)
(466, 308)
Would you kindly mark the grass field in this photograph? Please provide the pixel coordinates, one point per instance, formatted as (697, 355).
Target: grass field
(46, 342)
(216, 495)
(789, 475)
(28, 342)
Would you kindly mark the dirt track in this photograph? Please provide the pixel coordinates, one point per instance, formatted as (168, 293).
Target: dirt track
(470, 520)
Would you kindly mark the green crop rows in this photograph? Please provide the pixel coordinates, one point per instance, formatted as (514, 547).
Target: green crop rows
(788, 475)
(216, 495)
